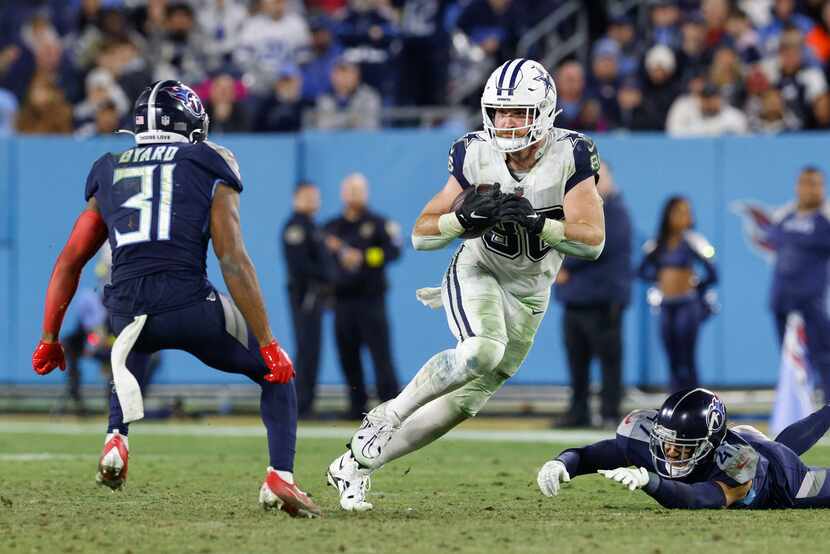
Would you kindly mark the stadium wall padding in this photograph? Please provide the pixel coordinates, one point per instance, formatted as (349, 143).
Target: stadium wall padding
(41, 194)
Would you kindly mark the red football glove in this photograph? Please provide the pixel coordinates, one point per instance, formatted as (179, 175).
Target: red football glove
(280, 368)
(48, 356)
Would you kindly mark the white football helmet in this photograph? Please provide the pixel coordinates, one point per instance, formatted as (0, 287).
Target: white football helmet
(519, 83)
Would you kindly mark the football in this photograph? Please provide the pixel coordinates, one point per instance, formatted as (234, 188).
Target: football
(474, 232)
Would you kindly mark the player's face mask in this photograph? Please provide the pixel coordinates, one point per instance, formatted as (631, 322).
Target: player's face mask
(676, 457)
(525, 90)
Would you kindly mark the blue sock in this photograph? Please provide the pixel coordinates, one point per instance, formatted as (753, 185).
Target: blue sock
(116, 421)
(803, 434)
(278, 406)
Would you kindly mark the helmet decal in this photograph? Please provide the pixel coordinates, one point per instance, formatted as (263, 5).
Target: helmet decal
(188, 98)
(715, 415)
(544, 78)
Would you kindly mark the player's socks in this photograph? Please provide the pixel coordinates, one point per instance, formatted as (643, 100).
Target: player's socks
(278, 407)
(424, 426)
(116, 419)
(803, 434)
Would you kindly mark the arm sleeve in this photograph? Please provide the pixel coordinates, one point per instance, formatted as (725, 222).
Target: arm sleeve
(586, 162)
(676, 495)
(455, 165)
(588, 459)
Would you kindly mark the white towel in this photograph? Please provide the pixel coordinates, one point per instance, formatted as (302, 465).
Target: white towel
(430, 297)
(126, 386)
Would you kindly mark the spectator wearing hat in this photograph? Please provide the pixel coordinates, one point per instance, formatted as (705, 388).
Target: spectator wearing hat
(227, 113)
(664, 19)
(352, 104)
(317, 61)
(622, 31)
(705, 114)
(660, 88)
(282, 110)
(100, 88)
(605, 80)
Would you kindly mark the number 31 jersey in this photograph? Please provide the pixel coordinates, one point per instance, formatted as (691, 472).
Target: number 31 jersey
(155, 200)
(523, 265)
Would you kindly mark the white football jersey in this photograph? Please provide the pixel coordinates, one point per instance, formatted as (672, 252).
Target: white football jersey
(523, 265)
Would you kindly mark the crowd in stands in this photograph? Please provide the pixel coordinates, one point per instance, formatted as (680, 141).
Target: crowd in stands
(689, 67)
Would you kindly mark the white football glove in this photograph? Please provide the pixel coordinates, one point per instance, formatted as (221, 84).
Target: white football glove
(551, 474)
(632, 477)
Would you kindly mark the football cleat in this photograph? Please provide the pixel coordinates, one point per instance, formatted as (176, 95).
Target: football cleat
(351, 481)
(374, 433)
(112, 467)
(276, 493)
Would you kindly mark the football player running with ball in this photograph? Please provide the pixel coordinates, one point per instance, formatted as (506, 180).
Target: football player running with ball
(532, 199)
(159, 203)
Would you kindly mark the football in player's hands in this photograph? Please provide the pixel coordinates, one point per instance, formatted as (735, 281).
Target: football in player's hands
(477, 209)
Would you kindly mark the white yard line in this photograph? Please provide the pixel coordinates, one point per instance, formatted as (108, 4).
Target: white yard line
(309, 432)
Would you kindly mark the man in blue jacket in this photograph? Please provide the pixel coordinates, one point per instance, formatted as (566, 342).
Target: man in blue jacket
(800, 235)
(595, 295)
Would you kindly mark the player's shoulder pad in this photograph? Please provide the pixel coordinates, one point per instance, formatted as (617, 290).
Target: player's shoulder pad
(91, 186)
(699, 245)
(737, 459)
(458, 153)
(637, 425)
(222, 161)
(585, 156)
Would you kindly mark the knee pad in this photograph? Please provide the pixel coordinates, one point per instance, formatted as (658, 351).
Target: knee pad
(477, 356)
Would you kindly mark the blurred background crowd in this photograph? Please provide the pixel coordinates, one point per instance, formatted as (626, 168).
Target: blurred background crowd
(689, 67)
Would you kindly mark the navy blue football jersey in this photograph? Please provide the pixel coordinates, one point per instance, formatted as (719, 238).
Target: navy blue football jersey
(745, 455)
(155, 200)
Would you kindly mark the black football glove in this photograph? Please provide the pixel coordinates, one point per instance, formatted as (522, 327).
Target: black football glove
(519, 210)
(480, 210)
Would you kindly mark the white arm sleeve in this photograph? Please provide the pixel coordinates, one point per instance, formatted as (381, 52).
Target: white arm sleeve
(450, 229)
(554, 234)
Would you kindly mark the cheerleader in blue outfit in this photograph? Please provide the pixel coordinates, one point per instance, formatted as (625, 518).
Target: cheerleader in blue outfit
(671, 262)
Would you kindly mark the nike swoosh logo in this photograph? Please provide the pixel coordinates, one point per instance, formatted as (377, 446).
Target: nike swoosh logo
(534, 216)
(476, 216)
(537, 312)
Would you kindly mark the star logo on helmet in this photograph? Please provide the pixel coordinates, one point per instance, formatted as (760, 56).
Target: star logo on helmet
(544, 78)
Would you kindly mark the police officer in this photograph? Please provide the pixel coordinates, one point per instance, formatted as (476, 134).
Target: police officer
(308, 281)
(595, 295)
(362, 243)
(800, 235)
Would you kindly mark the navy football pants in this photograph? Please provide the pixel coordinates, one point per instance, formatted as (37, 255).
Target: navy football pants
(215, 332)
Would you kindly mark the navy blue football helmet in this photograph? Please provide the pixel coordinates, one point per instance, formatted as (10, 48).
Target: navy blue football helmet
(689, 427)
(171, 107)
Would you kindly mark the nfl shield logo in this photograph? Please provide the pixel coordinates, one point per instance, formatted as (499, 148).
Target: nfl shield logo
(165, 120)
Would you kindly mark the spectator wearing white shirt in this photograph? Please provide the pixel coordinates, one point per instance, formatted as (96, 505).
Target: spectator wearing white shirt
(704, 115)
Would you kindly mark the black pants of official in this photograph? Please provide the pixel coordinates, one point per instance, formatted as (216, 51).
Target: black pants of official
(594, 331)
(362, 322)
(306, 315)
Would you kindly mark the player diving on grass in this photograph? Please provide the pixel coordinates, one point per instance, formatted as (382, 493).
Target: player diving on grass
(685, 457)
(159, 203)
(523, 194)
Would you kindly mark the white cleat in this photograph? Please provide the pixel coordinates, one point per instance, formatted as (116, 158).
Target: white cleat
(351, 481)
(374, 434)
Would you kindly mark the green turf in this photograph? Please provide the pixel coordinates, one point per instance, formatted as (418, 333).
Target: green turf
(198, 494)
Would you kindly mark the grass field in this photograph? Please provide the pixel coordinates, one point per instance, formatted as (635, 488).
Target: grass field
(192, 491)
